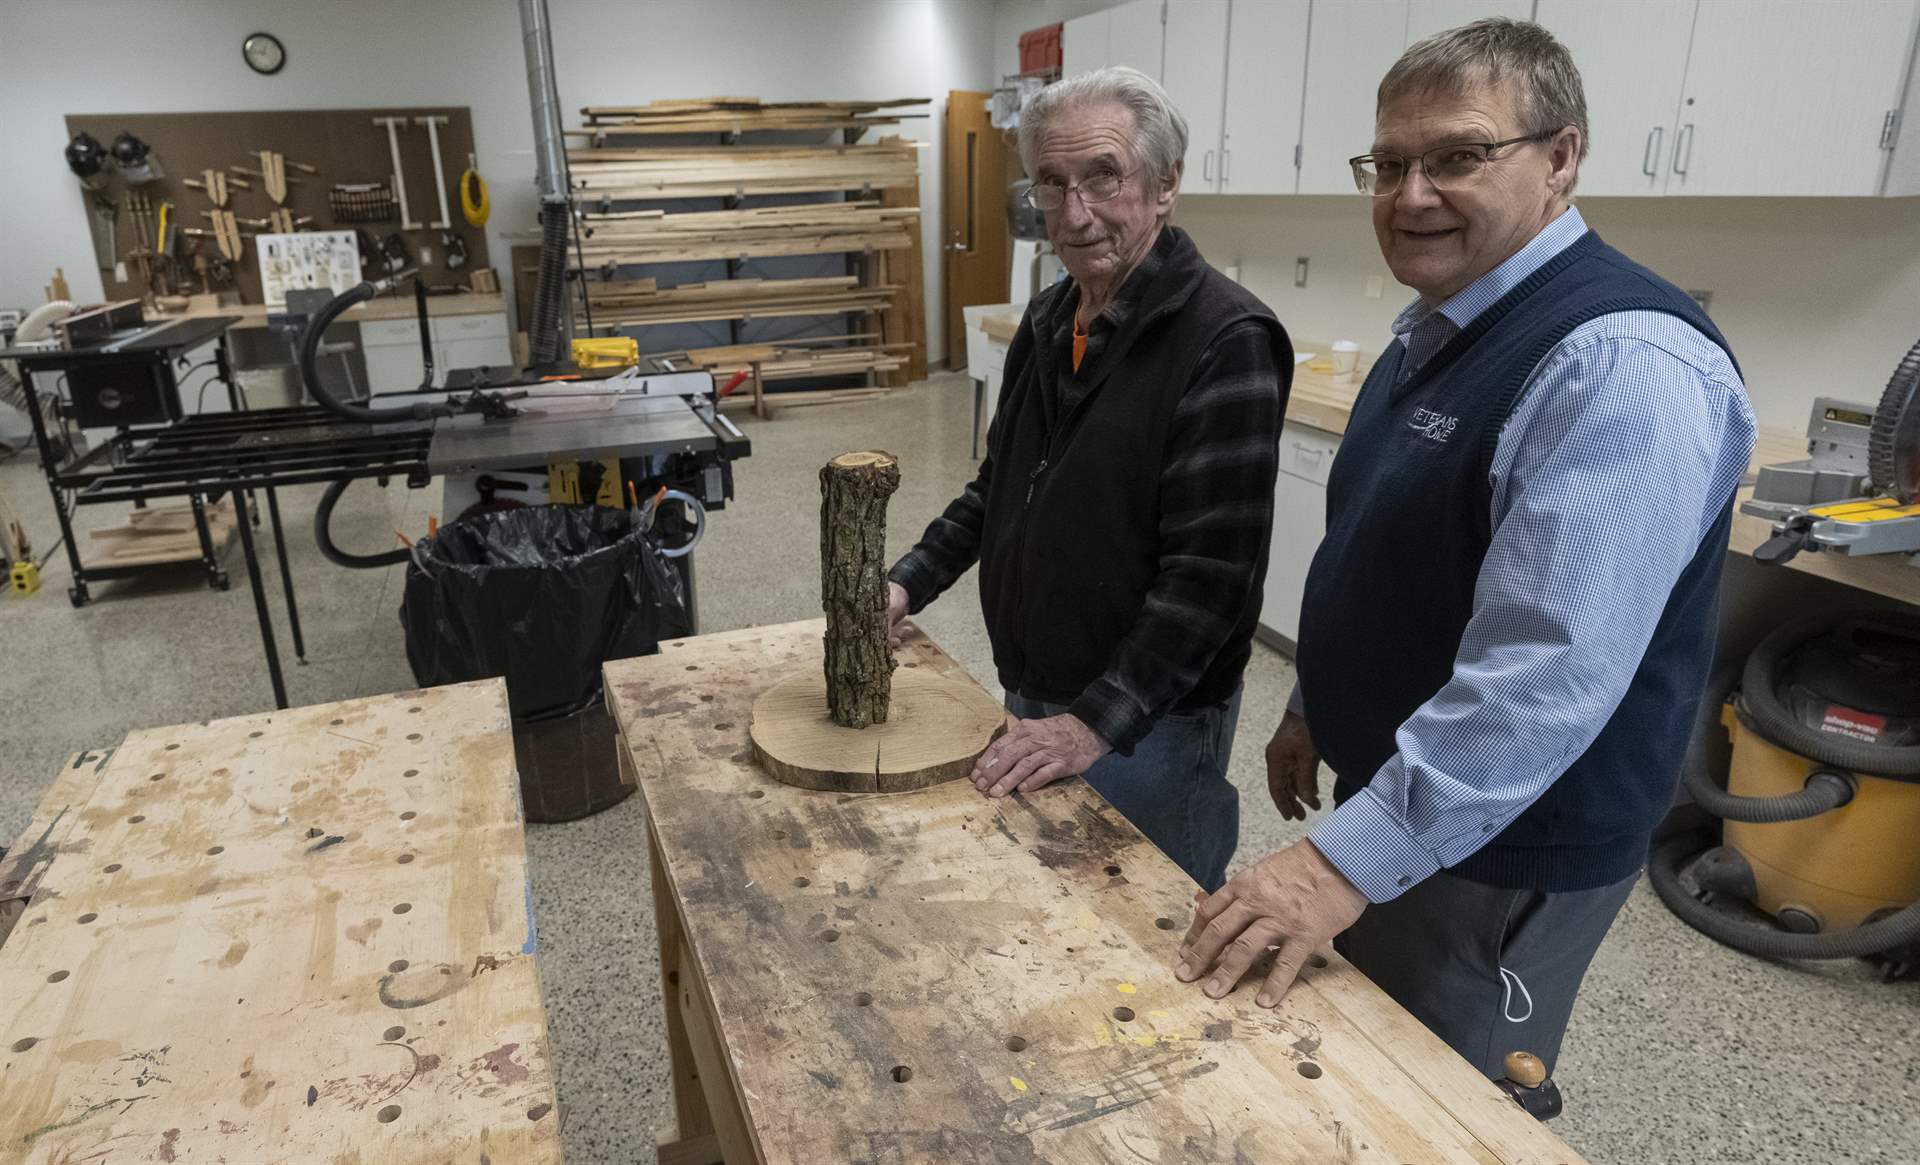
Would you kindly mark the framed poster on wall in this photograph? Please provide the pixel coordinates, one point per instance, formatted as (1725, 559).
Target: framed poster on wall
(305, 261)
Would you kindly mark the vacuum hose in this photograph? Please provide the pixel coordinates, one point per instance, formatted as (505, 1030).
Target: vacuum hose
(323, 520)
(1885, 934)
(310, 371)
(1826, 789)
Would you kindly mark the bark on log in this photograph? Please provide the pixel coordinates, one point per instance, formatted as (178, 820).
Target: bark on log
(854, 488)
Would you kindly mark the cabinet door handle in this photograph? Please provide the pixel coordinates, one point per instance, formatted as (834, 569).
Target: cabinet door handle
(1206, 166)
(1683, 149)
(1305, 448)
(1651, 159)
(1226, 160)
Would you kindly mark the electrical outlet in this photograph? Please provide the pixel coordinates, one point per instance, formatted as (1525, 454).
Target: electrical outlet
(426, 256)
(1375, 286)
(1231, 271)
(1703, 298)
(1300, 271)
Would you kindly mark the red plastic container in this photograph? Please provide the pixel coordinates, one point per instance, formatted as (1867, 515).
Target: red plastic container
(1040, 50)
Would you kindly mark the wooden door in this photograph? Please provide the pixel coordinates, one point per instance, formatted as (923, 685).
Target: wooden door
(1790, 97)
(1632, 71)
(1266, 72)
(1350, 48)
(1194, 68)
(975, 208)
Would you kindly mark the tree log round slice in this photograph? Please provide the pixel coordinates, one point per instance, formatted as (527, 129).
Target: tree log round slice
(934, 732)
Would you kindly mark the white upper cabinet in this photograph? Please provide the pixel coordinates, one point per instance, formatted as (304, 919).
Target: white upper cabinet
(1266, 72)
(1632, 71)
(1195, 76)
(1128, 35)
(1137, 36)
(1791, 97)
(1426, 17)
(1350, 46)
(1083, 43)
(1700, 97)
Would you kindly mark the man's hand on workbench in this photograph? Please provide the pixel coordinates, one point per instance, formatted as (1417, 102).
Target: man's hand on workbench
(896, 611)
(1293, 768)
(1289, 902)
(1035, 753)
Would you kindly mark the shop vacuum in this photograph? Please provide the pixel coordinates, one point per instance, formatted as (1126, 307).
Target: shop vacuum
(1819, 830)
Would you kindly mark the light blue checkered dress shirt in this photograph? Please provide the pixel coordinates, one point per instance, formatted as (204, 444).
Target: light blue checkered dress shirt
(1630, 438)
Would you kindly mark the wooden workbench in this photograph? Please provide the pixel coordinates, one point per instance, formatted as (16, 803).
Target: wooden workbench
(935, 977)
(297, 936)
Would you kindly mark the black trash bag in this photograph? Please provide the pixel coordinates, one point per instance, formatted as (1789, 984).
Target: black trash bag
(543, 596)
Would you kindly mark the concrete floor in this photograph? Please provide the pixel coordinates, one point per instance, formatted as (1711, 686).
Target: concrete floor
(1679, 1050)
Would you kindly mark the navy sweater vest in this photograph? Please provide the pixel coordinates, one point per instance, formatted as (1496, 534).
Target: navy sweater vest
(1409, 521)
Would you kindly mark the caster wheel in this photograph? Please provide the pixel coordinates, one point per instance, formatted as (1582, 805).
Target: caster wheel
(77, 596)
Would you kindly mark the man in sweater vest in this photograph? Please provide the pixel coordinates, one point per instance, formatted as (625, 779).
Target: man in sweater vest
(1506, 631)
(1121, 516)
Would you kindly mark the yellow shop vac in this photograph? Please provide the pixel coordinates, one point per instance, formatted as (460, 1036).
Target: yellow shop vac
(1820, 835)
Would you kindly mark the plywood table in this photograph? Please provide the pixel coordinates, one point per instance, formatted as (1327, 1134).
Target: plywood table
(934, 977)
(297, 936)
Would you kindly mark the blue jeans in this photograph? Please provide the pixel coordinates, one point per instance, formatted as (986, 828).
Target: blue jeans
(1174, 787)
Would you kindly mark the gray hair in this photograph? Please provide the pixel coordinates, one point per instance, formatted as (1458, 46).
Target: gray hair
(1160, 132)
(1487, 53)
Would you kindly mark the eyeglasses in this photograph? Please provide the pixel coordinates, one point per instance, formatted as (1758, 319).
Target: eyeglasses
(1102, 187)
(1448, 167)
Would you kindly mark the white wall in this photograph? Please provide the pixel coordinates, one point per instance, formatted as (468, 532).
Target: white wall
(139, 56)
(1816, 296)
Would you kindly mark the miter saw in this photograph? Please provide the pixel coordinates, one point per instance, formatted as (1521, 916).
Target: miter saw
(1858, 491)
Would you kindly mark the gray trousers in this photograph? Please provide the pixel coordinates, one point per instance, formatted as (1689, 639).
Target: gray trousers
(1489, 970)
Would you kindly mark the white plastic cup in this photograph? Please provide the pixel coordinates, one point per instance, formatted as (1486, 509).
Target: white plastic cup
(1346, 359)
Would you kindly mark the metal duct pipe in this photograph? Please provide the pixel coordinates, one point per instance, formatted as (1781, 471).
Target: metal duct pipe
(545, 338)
(549, 151)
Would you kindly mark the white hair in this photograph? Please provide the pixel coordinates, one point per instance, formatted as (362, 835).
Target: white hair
(1160, 132)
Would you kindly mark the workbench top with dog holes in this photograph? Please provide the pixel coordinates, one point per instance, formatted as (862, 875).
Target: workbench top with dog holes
(935, 977)
(296, 936)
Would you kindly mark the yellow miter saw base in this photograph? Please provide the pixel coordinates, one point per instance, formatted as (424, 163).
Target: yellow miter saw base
(1857, 491)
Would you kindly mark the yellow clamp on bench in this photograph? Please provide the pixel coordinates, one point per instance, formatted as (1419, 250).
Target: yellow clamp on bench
(606, 352)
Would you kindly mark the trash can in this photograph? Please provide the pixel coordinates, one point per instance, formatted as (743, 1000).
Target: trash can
(544, 595)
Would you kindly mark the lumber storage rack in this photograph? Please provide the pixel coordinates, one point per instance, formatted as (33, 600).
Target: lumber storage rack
(632, 172)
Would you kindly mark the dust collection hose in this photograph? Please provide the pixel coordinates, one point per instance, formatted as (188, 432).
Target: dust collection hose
(1760, 699)
(1886, 934)
(310, 355)
(1825, 790)
(323, 534)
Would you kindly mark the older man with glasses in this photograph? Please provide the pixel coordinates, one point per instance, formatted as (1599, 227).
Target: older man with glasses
(1122, 514)
(1505, 634)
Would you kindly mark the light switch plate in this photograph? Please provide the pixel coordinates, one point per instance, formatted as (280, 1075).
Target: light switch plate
(1375, 286)
(1300, 271)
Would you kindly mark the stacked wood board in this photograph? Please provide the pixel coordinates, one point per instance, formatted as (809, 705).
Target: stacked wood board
(651, 236)
(157, 534)
(745, 115)
(793, 361)
(300, 935)
(635, 302)
(724, 171)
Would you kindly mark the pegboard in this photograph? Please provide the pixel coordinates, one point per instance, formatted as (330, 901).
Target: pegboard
(345, 145)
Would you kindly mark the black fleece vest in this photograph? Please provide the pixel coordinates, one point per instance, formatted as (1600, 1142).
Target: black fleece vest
(1071, 540)
(1391, 588)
